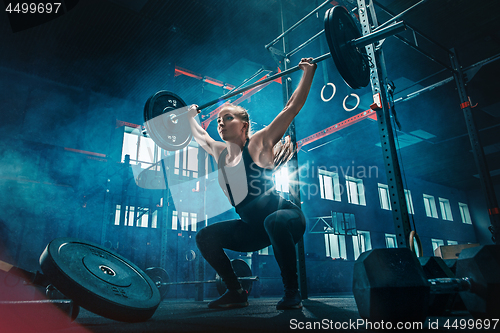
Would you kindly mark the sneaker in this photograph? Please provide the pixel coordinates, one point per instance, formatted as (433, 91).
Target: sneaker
(230, 299)
(291, 300)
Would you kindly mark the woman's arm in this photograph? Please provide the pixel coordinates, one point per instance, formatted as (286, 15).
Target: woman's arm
(271, 134)
(201, 136)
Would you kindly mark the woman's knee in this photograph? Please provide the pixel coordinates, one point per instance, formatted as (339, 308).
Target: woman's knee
(285, 220)
(202, 236)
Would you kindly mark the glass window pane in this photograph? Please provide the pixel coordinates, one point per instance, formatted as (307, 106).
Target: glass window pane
(321, 187)
(336, 187)
(352, 189)
(174, 220)
(117, 215)
(328, 188)
(146, 150)
(129, 146)
(464, 212)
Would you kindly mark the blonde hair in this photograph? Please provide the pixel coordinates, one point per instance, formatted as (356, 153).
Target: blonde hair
(241, 113)
(283, 150)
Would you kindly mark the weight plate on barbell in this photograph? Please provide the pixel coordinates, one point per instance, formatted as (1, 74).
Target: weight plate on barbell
(167, 131)
(241, 269)
(351, 62)
(100, 280)
(160, 278)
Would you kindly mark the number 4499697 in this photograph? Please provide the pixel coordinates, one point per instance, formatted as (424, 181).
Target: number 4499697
(33, 8)
(471, 324)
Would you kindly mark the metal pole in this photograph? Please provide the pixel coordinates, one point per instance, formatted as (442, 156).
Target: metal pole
(307, 42)
(253, 85)
(296, 24)
(477, 150)
(379, 34)
(394, 179)
(293, 168)
(359, 42)
(412, 28)
(400, 14)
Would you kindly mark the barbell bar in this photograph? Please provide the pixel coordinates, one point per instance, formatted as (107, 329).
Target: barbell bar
(161, 278)
(354, 43)
(244, 278)
(172, 132)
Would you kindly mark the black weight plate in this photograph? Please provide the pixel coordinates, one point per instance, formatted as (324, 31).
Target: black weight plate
(160, 278)
(350, 61)
(241, 269)
(100, 280)
(167, 132)
(481, 264)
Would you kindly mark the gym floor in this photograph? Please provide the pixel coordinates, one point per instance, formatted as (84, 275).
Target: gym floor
(318, 314)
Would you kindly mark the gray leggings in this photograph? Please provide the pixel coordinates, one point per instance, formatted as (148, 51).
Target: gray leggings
(282, 229)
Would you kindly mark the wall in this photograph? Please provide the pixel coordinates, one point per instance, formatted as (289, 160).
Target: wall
(376, 220)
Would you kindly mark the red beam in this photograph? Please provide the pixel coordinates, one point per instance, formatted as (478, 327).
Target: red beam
(337, 127)
(84, 152)
(207, 79)
(246, 95)
(120, 123)
(182, 71)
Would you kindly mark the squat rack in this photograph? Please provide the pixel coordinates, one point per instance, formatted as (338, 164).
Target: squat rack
(368, 19)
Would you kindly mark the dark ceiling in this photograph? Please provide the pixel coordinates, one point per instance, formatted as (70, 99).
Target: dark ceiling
(126, 49)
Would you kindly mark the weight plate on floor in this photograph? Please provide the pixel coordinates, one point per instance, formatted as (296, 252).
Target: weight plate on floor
(241, 269)
(100, 280)
(351, 62)
(167, 131)
(160, 278)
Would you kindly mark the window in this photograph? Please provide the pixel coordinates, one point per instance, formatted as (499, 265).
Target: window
(436, 243)
(430, 206)
(142, 150)
(335, 246)
(362, 242)
(444, 204)
(265, 251)
(135, 216)
(186, 162)
(183, 221)
(355, 191)
(409, 202)
(450, 242)
(281, 180)
(383, 194)
(329, 185)
(390, 241)
(464, 212)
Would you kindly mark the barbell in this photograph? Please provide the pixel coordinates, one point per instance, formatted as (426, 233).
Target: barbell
(391, 285)
(346, 44)
(161, 278)
(105, 283)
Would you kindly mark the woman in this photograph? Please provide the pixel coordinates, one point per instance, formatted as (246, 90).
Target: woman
(246, 164)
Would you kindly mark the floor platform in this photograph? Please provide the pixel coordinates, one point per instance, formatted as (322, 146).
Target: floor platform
(318, 314)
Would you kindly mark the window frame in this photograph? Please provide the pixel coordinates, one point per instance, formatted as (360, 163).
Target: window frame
(465, 213)
(360, 191)
(333, 179)
(444, 205)
(384, 188)
(393, 238)
(430, 209)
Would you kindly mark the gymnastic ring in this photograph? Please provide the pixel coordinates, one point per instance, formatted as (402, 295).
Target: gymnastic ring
(333, 94)
(357, 102)
(414, 237)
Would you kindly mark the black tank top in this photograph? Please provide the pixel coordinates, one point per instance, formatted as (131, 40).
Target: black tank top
(247, 182)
